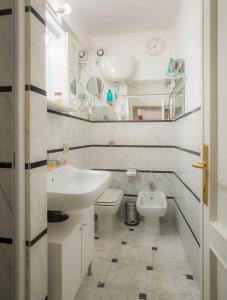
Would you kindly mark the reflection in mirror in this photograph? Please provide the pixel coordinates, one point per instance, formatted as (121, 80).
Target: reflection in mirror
(95, 86)
(144, 101)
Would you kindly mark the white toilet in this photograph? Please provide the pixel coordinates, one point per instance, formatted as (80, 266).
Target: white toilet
(151, 205)
(106, 208)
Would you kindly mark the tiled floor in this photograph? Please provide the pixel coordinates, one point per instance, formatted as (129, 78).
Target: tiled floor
(130, 265)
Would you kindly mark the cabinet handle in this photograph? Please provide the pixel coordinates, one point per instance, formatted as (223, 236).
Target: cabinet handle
(84, 224)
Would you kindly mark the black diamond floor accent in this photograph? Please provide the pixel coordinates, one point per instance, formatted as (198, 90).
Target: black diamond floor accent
(114, 260)
(131, 229)
(101, 284)
(142, 296)
(155, 248)
(149, 268)
(190, 277)
(124, 243)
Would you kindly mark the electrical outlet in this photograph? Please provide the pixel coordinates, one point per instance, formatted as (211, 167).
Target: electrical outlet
(66, 148)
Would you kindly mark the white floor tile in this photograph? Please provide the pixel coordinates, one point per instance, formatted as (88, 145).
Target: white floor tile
(128, 277)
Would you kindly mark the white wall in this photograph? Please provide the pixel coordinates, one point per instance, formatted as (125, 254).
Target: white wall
(147, 67)
(189, 42)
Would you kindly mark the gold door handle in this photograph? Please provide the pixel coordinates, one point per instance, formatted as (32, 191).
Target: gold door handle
(200, 165)
(204, 166)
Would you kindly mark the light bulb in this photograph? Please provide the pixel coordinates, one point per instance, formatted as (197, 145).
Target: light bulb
(64, 10)
(67, 9)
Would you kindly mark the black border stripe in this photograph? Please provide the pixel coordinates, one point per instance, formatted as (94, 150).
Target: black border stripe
(5, 89)
(36, 164)
(6, 165)
(70, 148)
(134, 146)
(55, 150)
(190, 190)
(6, 241)
(187, 150)
(136, 195)
(188, 113)
(35, 89)
(29, 8)
(126, 146)
(36, 239)
(79, 147)
(130, 195)
(6, 12)
(140, 171)
(187, 223)
(51, 111)
(123, 121)
(135, 121)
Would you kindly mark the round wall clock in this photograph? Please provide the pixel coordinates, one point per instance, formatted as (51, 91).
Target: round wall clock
(155, 46)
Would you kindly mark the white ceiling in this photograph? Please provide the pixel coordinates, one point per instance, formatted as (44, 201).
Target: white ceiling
(109, 17)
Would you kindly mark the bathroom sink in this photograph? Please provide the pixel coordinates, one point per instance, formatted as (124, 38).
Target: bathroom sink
(69, 188)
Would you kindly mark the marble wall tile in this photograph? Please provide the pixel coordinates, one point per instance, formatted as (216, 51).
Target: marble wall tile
(190, 246)
(36, 124)
(36, 270)
(189, 206)
(6, 129)
(35, 36)
(36, 202)
(6, 4)
(6, 203)
(79, 158)
(6, 52)
(142, 181)
(188, 131)
(133, 133)
(191, 176)
(6, 272)
(159, 159)
(63, 130)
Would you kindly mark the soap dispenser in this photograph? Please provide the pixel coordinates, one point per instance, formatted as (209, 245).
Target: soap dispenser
(109, 97)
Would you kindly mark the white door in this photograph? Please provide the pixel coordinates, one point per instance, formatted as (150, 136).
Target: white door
(215, 135)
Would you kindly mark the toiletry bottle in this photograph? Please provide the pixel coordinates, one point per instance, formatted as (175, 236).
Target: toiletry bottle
(170, 66)
(109, 97)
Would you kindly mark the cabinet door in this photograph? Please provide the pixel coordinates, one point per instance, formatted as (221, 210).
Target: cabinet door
(87, 239)
(71, 264)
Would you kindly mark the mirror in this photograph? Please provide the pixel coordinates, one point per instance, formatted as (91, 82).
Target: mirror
(95, 86)
(144, 101)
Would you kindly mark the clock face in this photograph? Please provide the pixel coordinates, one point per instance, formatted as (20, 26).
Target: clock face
(155, 46)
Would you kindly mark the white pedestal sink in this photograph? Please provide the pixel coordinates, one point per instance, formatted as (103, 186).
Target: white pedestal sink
(70, 189)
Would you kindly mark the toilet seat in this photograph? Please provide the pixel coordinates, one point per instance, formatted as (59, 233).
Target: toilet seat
(110, 197)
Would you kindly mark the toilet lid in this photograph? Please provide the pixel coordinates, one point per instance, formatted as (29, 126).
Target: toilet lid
(110, 196)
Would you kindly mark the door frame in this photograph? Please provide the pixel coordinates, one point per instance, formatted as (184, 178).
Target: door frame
(19, 150)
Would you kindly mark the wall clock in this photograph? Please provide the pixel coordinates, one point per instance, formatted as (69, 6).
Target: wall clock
(155, 46)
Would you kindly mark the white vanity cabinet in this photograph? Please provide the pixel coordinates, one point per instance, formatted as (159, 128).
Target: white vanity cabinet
(70, 251)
